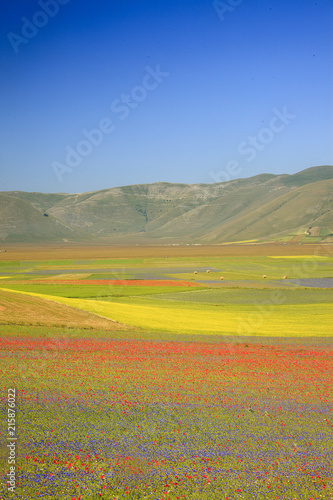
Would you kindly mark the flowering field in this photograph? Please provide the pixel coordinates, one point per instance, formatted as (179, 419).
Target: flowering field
(165, 420)
(203, 392)
(119, 282)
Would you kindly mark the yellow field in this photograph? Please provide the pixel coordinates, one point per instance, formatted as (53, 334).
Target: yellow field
(301, 320)
(22, 309)
(299, 256)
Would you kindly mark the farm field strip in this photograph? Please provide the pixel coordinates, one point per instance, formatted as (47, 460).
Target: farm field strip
(254, 296)
(237, 262)
(109, 282)
(79, 253)
(94, 291)
(289, 320)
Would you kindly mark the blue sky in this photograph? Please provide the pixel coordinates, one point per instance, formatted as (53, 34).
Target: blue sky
(97, 94)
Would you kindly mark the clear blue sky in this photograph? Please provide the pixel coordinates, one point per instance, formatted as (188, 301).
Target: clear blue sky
(206, 86)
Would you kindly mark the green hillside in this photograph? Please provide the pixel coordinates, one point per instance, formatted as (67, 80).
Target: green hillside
(21, 221)
(266, 207)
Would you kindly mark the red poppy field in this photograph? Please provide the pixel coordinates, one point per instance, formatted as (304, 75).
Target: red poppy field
(118, 282)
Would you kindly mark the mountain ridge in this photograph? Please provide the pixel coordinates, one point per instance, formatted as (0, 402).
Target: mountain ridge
(265, 207)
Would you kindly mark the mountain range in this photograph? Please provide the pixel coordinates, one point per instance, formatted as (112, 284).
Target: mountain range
(262, 208)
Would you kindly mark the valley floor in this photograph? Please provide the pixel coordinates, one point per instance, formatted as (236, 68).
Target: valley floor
(139, 373)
